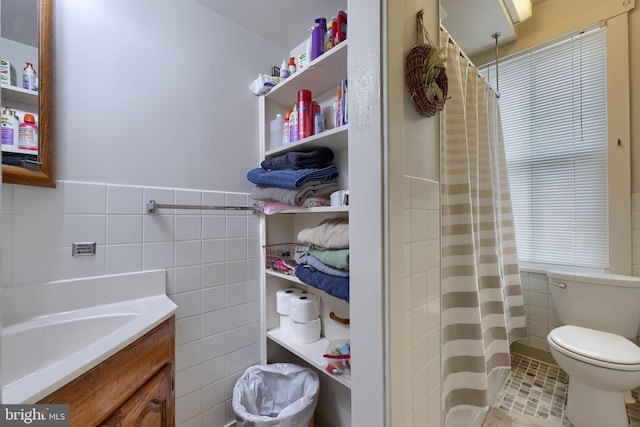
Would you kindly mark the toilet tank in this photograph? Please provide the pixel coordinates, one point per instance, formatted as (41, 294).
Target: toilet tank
(606, 302)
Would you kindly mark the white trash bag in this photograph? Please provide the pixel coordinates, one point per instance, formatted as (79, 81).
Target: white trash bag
(275, 395)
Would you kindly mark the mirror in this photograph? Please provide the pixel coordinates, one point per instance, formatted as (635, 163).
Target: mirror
(39, 169)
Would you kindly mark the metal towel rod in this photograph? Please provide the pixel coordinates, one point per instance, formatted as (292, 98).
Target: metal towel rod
(152, 207)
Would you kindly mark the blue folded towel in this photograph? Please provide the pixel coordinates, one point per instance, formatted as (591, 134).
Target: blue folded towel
(333, 285)
(291, 179)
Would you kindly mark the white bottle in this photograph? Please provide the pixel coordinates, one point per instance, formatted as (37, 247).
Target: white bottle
(9, 131)
(275, 132)
(284, 70)
(29, 77)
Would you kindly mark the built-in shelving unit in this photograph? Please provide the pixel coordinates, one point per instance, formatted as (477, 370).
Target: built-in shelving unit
(321, 77)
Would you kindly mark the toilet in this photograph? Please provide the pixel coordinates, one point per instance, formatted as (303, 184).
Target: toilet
(596, 346)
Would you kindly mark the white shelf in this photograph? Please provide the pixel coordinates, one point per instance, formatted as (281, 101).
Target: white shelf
(320, 209)
(321, 75)
(288, 277)
(11, 149)
(18, 94)
(336, 139)
(311, 353)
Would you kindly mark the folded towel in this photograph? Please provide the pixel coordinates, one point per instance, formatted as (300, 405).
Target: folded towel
(333, 285)
(294, 197)
(337, 258)
(275, 207)
(320, 158)
(291, 179)
(310, 260)
(332, 233)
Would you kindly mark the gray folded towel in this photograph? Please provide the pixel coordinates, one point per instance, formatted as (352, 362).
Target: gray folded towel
(294, 197)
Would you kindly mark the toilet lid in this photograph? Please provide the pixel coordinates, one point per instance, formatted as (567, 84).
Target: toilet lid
(596, 345)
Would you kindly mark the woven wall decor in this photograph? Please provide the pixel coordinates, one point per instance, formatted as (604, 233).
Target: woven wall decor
(426, 74)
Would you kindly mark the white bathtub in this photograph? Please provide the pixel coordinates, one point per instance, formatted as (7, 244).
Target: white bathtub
(54, 332)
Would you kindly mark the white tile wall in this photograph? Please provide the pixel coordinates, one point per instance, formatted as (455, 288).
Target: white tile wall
(539, 310)
(422, 301)
(211, 259)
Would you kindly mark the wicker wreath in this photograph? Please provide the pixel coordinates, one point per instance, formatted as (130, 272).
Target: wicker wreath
(427, 83)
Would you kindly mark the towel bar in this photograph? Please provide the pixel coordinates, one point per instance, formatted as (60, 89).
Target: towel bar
(152, 207)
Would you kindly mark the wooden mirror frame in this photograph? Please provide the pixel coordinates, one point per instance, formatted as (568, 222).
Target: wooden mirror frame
(46, 176)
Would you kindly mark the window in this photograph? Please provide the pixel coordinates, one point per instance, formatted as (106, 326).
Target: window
(553, 104)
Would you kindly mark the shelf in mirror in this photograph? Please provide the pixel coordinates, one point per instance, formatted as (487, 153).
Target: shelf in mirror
(18, 94)
(310, 353)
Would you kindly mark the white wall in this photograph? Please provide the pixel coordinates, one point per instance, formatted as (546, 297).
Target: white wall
(154, 92)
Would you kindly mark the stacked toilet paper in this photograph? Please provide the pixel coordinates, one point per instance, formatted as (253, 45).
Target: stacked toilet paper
(299, 314)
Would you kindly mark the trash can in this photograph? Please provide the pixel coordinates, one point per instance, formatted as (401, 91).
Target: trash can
(276, 395)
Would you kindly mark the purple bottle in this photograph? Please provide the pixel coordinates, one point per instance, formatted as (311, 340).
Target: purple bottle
(318, 38)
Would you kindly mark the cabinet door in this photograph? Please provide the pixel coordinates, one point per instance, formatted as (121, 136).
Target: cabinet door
(150, 406)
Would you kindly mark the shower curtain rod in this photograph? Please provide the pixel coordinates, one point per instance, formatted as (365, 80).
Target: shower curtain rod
(471, 64)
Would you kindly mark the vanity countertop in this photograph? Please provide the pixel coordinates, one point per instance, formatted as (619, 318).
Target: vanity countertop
(54, 332)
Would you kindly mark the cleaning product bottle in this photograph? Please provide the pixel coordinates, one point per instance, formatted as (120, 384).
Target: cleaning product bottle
(329, 37)
(340, 34)
(305, 114)
(293, 124)
(285, 128)
(292, 65)
(284, 70)
(318, 35)
(8, 128)
(28, 138)
(29, 77)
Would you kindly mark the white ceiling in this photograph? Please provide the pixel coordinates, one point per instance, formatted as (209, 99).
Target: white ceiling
(20, 21)
(472, 22)
(279, 20)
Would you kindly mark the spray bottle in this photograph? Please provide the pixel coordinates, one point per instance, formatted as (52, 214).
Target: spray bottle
(284, 70)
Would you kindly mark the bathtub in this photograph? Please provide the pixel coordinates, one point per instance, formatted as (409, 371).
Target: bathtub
(54, 332)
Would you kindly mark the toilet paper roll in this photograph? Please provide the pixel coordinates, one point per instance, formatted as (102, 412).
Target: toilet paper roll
(283, 297)
(306, 333)
(286, 324)
(304, 308)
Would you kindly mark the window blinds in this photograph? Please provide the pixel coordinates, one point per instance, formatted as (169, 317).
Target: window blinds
(554, 118)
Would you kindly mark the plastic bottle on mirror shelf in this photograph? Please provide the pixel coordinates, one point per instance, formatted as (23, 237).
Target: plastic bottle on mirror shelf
(318, 123)
(28, 138)
(8, 127)
(318, 38)
(29, 77)
(16, 126)
(293, 124)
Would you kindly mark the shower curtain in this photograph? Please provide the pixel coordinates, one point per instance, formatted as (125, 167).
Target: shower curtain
(482, 305)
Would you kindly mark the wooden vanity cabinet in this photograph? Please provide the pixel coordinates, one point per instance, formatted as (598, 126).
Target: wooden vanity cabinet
(134, 387)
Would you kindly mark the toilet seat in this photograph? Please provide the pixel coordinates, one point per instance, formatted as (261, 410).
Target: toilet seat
(596, 347)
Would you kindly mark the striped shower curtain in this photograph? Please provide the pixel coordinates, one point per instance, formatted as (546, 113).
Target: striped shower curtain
(482, 305)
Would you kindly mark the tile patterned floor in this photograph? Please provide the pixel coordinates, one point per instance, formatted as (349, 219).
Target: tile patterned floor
(540, 389)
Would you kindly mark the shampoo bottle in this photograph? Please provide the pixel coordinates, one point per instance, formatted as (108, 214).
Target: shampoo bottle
(293, 124)
(28, 138)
